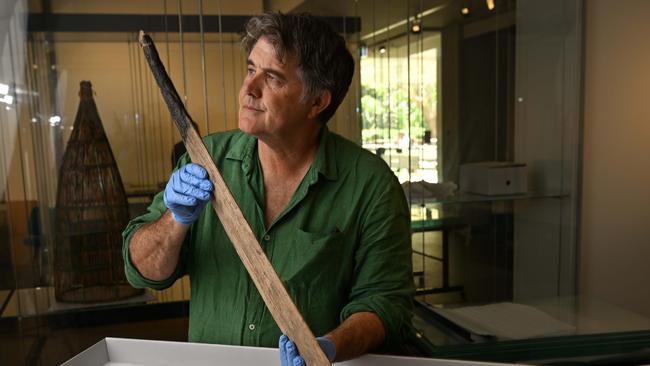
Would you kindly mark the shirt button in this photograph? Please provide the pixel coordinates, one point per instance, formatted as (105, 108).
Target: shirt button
(251, 326)
(267, 237)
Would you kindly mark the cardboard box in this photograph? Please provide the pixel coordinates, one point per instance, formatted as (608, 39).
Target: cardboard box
(493, 178)
(137, 352)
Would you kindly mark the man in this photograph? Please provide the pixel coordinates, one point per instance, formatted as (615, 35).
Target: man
(330, 216)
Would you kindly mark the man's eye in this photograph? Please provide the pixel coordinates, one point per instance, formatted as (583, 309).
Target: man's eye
(250, 71)
(273, 80)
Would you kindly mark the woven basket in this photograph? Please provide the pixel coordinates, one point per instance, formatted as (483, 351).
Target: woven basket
(91, 212)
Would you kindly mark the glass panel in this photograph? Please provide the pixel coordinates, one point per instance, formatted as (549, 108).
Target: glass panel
(400, 118)
(440, 85)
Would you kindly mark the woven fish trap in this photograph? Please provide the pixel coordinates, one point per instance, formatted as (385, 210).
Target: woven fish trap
(91, 212)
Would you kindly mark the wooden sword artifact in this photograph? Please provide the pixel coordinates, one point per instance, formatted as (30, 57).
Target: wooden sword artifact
(273, 292)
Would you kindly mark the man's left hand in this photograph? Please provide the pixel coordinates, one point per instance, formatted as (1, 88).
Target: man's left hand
(289, 355)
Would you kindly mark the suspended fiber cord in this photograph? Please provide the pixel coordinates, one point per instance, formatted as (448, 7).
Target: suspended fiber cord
(133, 108)
(139, 115)
(374, 65)
(496, 136)
(422, 123)
(408, 95)
(164, 173)
(182, 52)
(151, 127)
(36, 133)
(41, 79)
(11, 39)
(161, 141)
(357, 109)
(40, 160)
(172, 127)
(53, 133)
(152, 122)
(205, 82)
(145, 120)
(389, 90)
(235, 59)
(223, 71)
(155, 134)
(408, 116)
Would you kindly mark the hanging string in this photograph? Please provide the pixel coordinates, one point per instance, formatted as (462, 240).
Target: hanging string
(182, 52)
(357, 99)
(10, 218)
(236, 59)
(151, 121)
(146, 119)
(43, 94)
(22, 161)
(172, 127)
(131, 103)
(161, 140)
(408, 96)
(375, 69)
(388, 90)
(223, 71)
(138, 114)
(41, 165)
(144, 116)
(205, 81)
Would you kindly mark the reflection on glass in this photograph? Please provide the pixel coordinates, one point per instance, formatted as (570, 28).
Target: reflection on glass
(478, 81)
(400, 115)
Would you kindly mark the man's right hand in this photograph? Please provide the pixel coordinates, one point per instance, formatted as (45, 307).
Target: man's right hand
(187, 192)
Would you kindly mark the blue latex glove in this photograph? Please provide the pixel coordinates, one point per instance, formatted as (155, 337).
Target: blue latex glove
(289, 355)
(187, 192)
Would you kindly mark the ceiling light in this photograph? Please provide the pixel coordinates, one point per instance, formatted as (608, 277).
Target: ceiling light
(415, 26)
(382, 49)
(490, 4)
(464, 11)
(55, 120)
(7, 99)
(4, 89)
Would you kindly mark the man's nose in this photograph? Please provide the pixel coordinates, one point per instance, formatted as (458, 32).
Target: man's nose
(252, 86)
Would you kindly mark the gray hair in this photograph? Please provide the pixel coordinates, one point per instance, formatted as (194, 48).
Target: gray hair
(324, 60)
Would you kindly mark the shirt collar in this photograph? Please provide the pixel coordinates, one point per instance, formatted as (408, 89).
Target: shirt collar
(324, 161)
(244, 150)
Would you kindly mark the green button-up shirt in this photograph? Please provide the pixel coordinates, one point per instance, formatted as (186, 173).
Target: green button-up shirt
(342, 245)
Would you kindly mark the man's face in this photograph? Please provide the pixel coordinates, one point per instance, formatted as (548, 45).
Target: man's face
(270, 105)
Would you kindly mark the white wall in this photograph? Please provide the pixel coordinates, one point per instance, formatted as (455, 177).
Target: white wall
(615, 243)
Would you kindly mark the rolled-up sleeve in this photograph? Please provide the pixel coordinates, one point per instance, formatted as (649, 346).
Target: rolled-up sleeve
(383, 281)
(135, 278)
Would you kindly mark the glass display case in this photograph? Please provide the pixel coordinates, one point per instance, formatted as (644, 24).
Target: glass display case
(439, 84)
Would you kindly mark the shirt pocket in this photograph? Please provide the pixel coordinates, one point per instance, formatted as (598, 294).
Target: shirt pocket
(313, 277)
(311, 255)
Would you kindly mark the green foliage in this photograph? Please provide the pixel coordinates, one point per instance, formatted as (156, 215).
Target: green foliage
(385, 113)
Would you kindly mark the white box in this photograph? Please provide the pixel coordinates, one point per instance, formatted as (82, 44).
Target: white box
(137, 352)
(493, 178)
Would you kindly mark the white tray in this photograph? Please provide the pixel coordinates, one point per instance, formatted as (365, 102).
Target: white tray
(138, 352)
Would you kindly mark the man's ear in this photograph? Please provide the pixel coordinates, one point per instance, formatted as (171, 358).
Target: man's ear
(319, 103)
